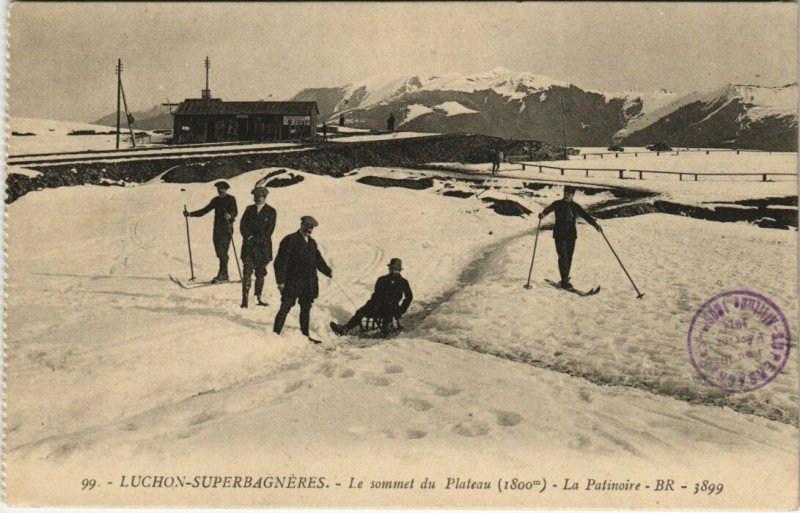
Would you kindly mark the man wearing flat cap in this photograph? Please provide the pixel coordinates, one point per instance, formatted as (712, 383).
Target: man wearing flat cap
(296, 267)
(256, 227)
(385, 303)
(564, 231)
(225, 212)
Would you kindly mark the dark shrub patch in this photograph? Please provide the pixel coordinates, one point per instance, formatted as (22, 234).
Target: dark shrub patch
(507, 207)
(408, 183)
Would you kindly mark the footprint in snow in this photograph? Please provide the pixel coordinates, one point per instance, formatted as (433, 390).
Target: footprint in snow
(417, 404)
(447, 391)
(393, 369)
(508, 418)
(415, 434)
(471, 427)
(380, 381)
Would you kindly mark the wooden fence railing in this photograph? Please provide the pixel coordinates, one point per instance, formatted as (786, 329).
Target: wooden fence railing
(641, 172)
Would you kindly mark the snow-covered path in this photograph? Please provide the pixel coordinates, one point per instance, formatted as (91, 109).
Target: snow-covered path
(109, 362)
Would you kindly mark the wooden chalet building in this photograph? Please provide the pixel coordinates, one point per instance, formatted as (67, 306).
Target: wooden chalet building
(207, 120)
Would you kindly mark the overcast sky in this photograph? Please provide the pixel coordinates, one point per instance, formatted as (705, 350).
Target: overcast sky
(62, 56)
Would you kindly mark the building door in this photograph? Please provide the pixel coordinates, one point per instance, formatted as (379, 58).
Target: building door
(210, 132)
(241, 128)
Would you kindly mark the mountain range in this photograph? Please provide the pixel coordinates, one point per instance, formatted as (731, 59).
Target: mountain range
(522, 105)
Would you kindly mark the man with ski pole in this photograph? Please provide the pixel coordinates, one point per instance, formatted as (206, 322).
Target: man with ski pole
(385, 303)
(296, 267)
(564, 232)
(225, 212)
(256, 227)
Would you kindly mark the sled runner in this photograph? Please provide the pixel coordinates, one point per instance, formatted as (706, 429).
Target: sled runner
(373, 323)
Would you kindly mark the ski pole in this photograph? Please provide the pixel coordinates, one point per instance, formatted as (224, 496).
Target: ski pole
(233, 243)
(345, 294)
(535, 242)
(189, 243)
(639, 294)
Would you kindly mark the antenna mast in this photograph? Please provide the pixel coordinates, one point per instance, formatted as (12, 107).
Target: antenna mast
(207, 92)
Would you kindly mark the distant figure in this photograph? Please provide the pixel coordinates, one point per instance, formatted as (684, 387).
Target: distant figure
(385, 302)
(564, 231)
(225, 212)
(390, 122)
(256, 227)
(296, 267)
(341, 120)
(497, 158)
(324, 131)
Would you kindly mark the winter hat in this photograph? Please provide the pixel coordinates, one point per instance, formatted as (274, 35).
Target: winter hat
(222, 185)
(259, 191)
(569, 189)
(309, 221)
(396, 261)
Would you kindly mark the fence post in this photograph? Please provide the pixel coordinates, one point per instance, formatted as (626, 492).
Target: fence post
(737, 152)
(587, 173)
(658, 154)
(620, 174)
(640, 175)
(584, 156)
(523, 167)
(706, 152)
(680, 177)
(540, 169)
(601, 156)
(764, 177)
(616, 155)
(562, 171)
(695, 177)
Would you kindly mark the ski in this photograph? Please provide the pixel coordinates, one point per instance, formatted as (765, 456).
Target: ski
(590, 292)
(198, 285)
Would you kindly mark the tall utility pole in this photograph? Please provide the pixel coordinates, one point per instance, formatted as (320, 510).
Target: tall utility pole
(564, 117)
(119, 90)
(207, 91)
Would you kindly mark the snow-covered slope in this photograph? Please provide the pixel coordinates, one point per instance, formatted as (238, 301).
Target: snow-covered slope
(112, 369)
(525, 105)
(744, 116)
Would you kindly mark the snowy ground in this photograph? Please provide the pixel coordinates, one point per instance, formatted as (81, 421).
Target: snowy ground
(382, 137)
(51, 136)
(690, 192)
(689, 162)
(109, 362)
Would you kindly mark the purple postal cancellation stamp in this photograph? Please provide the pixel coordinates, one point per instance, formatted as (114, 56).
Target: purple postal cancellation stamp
(739, 341)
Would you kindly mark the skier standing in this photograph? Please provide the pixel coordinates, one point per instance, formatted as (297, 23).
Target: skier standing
(225, 212)
(564, 231)
(385, 301)
(390, 122)
(296, 267)
(256, 227)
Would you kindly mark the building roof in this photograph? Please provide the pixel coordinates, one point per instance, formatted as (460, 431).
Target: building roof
(215, 106)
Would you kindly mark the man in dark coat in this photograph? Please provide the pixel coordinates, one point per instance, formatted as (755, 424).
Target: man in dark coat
(256, 227)
(390, 122)
(385, 303)
(564, 231)
(225, 212)
(296, 267)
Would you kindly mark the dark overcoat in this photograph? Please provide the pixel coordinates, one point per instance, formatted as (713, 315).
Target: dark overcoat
(256, 229)
(296, 266)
